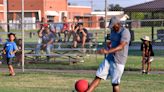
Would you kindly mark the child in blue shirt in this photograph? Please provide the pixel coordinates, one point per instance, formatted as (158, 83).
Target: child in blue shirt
(10, 49)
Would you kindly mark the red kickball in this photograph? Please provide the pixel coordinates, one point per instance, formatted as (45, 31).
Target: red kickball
(81, 85)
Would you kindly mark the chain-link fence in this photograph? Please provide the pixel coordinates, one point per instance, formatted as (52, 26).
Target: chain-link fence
(63, 55)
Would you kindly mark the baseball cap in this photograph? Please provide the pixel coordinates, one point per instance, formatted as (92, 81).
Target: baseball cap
(45, 25)
(114, 20)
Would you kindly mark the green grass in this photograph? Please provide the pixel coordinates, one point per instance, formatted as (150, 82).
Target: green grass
(64, 82)
(140, 32)
(134, 63)
(91, 63)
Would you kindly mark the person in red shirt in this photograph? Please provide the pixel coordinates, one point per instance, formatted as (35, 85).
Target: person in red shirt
(65, 29)
(42, 22)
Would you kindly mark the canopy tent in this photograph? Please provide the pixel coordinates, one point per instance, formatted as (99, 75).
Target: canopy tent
(152, 7)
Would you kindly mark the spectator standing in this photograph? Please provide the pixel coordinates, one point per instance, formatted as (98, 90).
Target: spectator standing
(147, 54)
(19, 52)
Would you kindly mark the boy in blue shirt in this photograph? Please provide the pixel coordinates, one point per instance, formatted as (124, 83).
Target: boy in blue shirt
(10, 49)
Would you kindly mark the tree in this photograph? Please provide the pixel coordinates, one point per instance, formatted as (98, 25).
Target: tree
(69, 3)
(97, 10)
(116, 7)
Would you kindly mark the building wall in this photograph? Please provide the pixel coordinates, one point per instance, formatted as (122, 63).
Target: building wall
(57, 5)
(16, 5)
(1, 17)
(42, 5)
(29, 4)
(1, 1)
(1, 7)
(95, 24)
(78, 11)
(1, 13)
(33, 6)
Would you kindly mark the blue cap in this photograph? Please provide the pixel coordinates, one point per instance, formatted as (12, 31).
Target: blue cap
(114, 20)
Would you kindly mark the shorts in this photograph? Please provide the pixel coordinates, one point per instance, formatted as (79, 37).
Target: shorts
(110, 69)
(150, 60)
(9, 61)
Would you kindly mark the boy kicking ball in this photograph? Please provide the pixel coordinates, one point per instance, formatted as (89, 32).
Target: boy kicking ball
(9, 50)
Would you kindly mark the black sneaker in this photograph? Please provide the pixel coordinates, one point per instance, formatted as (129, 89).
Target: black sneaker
(143, 72)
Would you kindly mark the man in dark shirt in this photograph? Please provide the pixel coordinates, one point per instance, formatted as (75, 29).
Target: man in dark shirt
(81, 36)
(47, 40)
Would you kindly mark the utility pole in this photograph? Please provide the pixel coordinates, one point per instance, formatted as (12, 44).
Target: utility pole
(106, 10)
(8, 26)
(105, 33)
(91, 4)
(5, 15)
(22, 35)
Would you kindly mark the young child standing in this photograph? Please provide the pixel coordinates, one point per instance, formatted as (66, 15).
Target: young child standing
(10, 49)
(147, 54)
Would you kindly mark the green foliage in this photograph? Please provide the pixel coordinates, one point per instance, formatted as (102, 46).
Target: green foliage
(137, 16)
(113, 7)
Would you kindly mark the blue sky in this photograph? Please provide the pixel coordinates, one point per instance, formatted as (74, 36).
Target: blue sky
(99, 4)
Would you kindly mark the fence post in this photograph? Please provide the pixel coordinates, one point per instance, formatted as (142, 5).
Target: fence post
(22, 35)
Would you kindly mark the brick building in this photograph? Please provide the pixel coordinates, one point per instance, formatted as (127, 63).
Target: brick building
(50, 9)
(36, 9)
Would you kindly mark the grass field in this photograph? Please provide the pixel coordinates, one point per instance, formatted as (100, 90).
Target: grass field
(64, 82)
(91, 63)
(133, 64)
(140, 32)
